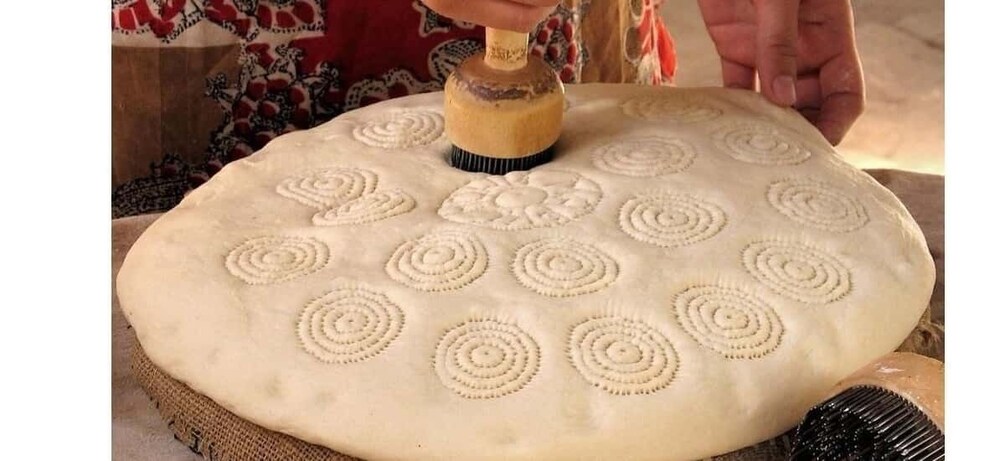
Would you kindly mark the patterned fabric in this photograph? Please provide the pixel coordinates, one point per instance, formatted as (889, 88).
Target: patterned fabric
(269, 67)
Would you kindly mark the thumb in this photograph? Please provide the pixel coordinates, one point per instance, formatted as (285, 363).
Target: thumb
(777, 32)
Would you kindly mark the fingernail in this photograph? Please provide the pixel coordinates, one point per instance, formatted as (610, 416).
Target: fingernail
(784, 88)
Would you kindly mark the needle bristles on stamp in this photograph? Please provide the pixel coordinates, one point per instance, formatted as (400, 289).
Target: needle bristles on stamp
(892, 408)
(467, 161)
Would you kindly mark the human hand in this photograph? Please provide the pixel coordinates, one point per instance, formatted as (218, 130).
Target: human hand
(514, 15)
(803, 52)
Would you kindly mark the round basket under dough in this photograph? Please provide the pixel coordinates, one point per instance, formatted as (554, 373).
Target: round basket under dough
(688, 276)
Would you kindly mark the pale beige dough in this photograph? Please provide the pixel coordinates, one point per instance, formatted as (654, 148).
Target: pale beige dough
(688, 276)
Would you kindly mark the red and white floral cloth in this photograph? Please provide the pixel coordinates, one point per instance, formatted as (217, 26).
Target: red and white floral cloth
(298, 63)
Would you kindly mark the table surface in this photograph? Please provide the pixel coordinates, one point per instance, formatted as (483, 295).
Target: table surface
(139, 433)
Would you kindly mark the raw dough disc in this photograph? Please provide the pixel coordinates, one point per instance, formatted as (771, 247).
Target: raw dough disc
(693, 270)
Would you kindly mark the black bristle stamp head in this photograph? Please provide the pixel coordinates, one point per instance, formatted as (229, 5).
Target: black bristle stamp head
(867, 423)
(468, 161)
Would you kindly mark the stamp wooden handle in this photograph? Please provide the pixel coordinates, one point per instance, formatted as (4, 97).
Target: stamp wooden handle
(504, 49)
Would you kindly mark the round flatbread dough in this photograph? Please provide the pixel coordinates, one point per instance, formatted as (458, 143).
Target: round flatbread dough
(688, 276)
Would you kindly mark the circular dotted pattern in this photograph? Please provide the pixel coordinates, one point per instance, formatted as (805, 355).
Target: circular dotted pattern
(561, 267)
(522, 200)
(729, 321)
(760, 143)
(329, 187)
(797, 271)
(401, 130)
(645, 157)
(349, 325)
(277, 259)
(482, 359)
(670, 220)
(622, 356)
(372, 207)
(817, 204)
(671, 107)
(438, 262)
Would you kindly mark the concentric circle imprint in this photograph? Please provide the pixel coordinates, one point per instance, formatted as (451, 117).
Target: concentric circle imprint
(349, 325)
(760, 143)
(482, 359)
(371, 207)
(438, 262)
(522, 200)
(561, 267)
(401, 130)
(266, 260)
(729, 321)
(645, 157)
(797, 271)
(329, 187)
(817, 204)
(622, 356)
(670, 220)
(671, 107)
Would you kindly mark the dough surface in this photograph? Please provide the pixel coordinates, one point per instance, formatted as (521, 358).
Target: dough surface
(689, 275)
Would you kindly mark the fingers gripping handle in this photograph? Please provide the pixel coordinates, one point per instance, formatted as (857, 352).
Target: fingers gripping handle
(505, 50)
